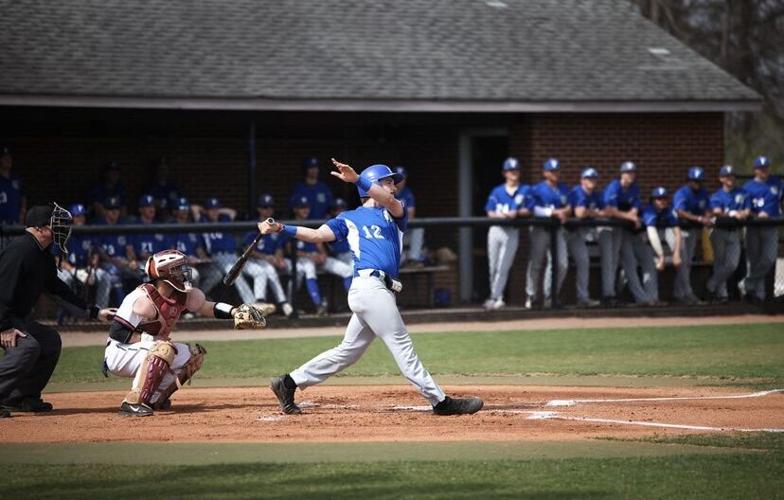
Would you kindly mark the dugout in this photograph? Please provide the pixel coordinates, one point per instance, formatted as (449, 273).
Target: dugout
(236, 95)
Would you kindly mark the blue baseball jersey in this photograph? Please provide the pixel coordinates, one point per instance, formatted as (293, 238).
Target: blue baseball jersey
(736, 199)
(216, 242)
(545, 196)
(307, 247)
(622, 199)
(339, 247)
(578, 197)
(268, 244)
(765, 196)
(113, 244)
(407, 197)
(11, 194)
(150, 243)
(663, 219)
(79, 249)
(188, 243)
(689, 200)
(501, 201)
(319, 196)
(374, 236)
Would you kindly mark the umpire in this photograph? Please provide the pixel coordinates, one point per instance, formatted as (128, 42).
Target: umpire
(27, 268)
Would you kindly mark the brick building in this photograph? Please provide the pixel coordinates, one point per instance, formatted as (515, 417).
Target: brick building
(447, 88)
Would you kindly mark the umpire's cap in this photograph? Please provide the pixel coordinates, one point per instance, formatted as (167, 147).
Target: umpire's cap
(38, 216)
(659, 192)
(551, 165)
(696, 174)
(628, 166)
(726, 171)
(761, 162)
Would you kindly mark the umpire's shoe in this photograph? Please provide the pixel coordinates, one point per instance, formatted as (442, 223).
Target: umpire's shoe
(284, 387)
(4, 413)
(27, 405)
(450, 406)
(139, 410)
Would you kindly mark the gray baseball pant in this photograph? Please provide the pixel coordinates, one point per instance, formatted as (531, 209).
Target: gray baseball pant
(682, 288)
(726, 256)
(610, 240)
(578, 249)
(540, 246)
(502, 245)
(761, 251)
(635, 251)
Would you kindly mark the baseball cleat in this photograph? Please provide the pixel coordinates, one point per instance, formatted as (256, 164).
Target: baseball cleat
(284, 388)
(452, 406)
(140, 410)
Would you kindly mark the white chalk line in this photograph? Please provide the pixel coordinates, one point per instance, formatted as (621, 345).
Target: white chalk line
(572, 402)
(551, 415)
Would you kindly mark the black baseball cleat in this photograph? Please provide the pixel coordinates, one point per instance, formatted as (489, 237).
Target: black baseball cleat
(284, 388)
(451, 406)
(27, 405)
(140, 410)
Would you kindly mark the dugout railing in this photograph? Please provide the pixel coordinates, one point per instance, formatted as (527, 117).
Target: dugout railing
(462, 229)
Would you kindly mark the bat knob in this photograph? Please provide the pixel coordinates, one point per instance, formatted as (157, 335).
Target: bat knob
(270, 220)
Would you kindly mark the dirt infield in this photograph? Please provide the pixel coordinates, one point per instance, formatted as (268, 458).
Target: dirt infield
(397, 413)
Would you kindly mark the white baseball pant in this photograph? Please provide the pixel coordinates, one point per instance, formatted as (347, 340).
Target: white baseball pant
(502, 245)
(264, 273)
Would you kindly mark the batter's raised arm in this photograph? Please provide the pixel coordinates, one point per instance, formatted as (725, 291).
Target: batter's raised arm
(371, 186)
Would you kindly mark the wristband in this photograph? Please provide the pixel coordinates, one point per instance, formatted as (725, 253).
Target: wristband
(290, 230)
(222, 310)
(364, 184)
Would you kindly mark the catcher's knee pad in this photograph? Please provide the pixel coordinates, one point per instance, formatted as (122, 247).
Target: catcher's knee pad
(151, 372)
(182, 376)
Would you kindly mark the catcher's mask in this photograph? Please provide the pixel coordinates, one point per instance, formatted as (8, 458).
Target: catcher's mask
(170, 266)
(60, 223)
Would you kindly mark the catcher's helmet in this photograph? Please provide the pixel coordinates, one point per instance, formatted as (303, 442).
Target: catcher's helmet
(375, 173)
(696, 174)
(170, 266)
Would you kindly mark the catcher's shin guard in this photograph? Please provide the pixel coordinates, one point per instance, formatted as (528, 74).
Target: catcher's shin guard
(181, 376)
(150, 373)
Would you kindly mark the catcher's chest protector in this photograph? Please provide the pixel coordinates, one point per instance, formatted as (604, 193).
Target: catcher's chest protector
(169, 310)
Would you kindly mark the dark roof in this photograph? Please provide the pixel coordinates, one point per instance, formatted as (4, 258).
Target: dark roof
(504, 55)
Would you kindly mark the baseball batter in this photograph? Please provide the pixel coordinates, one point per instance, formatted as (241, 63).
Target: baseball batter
(506, 201)
(691, 205)
(140, 345)
(549, 199)
(729, 203)
(765, 194)
(375, 233)
(586, 202)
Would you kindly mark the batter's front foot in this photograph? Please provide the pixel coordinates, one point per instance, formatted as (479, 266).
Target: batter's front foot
(284, 388)
(452, 406)
(131, 410)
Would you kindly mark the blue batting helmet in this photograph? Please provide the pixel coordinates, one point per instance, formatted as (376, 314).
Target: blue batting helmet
(77, 209)
(696, 174)
(402, 171)
(761, 162)
(628, 166)
(726, 171)
(551, 164)
(375, 173)
(659, 192)
(511, 163)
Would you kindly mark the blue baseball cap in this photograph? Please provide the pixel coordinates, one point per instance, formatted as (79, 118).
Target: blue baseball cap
(111, 203)
(77, 209)
(551, 164)
(183, 204)
(213, 203)
(340, 203)
(589, 173)
(761, 162)
(400, 170)
(511, 163)
(659, 192)
(310, 162)
(696, 174)
(726, 171)
(265, 201)
(146, 200)
(299, 202)
(628, 166)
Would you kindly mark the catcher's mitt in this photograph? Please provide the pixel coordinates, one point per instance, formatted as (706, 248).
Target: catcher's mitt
(252, 316)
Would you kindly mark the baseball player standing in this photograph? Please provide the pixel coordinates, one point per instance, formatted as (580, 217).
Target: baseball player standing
(506, 201)
(374, 231)
(586, 202)
(550, 198)
(661, 224)
(414, 238)
(765, 195)
(691, 204)
(318, 194)
(729, 203)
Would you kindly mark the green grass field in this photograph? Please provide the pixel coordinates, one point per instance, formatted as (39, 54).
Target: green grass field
(701, 466)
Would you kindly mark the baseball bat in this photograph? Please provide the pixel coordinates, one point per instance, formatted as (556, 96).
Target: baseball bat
(236, 269)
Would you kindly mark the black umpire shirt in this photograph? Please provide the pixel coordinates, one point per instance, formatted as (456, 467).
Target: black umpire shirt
(26, 271)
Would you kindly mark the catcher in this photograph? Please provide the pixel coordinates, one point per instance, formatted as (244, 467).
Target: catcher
(139, 343)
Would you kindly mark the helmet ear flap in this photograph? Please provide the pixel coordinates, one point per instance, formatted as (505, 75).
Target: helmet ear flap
(152, 272)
